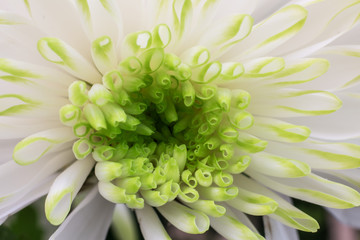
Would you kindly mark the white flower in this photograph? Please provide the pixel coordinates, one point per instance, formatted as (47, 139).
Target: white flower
(204, 110)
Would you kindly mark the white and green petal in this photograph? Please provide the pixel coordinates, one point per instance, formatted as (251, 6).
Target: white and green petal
(285, 212)
(150, 224)
(277, 230)
(64, 189)
(32, 175)
(320, 155)
(33, 147)
(340, 17)
(314, 189)
(124, 223)
(295, 103)
(272, 32)
(184, 218)
(231, 228)
(92, 209)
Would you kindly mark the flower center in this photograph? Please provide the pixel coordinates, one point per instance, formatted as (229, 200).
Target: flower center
(161, 127)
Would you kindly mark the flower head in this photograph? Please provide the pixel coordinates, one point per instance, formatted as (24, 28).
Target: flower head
(194, 108)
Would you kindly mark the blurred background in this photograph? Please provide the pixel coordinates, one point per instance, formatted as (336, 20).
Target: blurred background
(30, 224)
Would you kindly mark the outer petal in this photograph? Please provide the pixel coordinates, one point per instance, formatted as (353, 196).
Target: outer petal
(18, 41)
(265, 8)
(326, 21)
(49, 17)
(16, 179)
(319, 155)
(150, 225)
(231, 228)
(270, 33)
(35, 146)
(65, 188)
(124, 224)
(340, 125)
(90, 220)
(282, 102)
(100, 18)
(20, 7)
(343, 72)
(285, 212)
(275, 230)
(350, 217)
(314, 189)
(35, 191)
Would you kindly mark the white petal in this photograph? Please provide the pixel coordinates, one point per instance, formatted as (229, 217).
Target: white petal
(340, 125)
(150, 225)
(49, 17)
(246, 221)
(314, 189)
(19, 72)
(124, 224)
(15, 179)
(33, 147)
(277, 130)
(17, 6)
(224, 34)
(35, 191)
(100, 18)
(68, 58)
(350, 37)
(319, 155)
(64, 190)
(231, 228)
(326, 21)
(184, 218)
(29, 101)
(7, 146)
(285, 212)
(275, 230)
(276, 166)
(292, 103)
(351, 176)
(350, 217)
(343, 71)
(14, 46)
(270, 33)
(298, 71)
(17, 127)
(265, 8)
(90, 220)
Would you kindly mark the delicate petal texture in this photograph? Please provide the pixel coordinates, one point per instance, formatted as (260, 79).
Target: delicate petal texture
(275, 230)
(12, 185)
(124, 223)
(323, 28)
(90, 220)
(150, 224)
(347, 216)
(314, 189)
(49, 19)
(272, 32)
(25, 198)
(35, 146)
(64, 190)
(230, 227)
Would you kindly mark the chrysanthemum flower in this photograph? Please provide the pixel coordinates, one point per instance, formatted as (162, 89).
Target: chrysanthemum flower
(201, 111)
